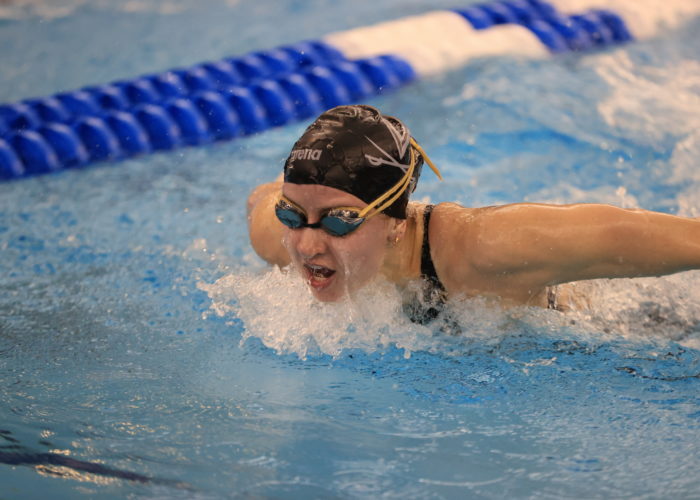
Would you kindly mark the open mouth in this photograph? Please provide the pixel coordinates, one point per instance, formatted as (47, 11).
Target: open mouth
(318, 275)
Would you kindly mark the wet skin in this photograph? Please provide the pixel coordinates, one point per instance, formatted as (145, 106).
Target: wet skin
(335, 266)
(511, 253)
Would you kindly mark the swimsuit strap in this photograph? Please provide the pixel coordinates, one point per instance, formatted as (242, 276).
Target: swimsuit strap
(427, 268)
(424, 309)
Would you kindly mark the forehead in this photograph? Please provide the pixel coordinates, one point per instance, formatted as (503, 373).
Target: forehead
(316, 197)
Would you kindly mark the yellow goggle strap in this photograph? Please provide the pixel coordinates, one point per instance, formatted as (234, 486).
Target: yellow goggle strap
(393, 194)
(399, 188)
(426, 158)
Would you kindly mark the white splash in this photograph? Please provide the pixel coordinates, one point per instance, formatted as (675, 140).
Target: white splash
(643, 308)
(277, 308)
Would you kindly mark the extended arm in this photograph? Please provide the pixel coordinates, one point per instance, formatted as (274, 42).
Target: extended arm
(532, 246)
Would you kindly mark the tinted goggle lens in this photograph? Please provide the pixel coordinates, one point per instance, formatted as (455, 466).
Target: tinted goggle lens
(336, 222)
(290, 217)
(341, 222)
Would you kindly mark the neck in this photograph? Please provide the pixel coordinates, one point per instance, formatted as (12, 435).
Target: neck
(402, 261)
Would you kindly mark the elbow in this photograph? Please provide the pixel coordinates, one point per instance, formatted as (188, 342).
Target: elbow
(253, 198)
(249, 204)
(258, 194)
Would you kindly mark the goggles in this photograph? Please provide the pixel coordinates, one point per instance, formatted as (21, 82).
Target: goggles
(341, 221)
(335, 221)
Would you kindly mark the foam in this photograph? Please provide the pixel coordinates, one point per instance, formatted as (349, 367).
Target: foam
(277, 308)
(666, 308)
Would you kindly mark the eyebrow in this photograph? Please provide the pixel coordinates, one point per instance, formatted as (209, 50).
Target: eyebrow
(322, 209)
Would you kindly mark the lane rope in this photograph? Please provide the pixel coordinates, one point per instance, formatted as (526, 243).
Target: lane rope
(238, 96)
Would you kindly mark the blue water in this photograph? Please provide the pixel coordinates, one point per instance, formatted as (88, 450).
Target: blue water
(139, 332)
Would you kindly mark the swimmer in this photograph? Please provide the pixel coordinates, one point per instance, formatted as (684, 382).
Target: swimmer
(341, 216)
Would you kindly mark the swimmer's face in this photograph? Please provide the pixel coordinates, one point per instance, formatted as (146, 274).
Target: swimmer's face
(333, 266)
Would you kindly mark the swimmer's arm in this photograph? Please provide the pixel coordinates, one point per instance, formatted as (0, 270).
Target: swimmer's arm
(263, 227)
(542, 245)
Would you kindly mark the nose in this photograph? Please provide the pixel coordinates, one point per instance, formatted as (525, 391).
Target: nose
(309, 242)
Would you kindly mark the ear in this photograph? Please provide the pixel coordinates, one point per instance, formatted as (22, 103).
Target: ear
(397, 229)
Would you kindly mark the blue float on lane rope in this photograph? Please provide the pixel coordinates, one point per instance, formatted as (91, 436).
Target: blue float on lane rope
(222, 100)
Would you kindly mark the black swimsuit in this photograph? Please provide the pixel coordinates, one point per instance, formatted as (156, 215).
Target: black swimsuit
(427, 306)
(427, 268)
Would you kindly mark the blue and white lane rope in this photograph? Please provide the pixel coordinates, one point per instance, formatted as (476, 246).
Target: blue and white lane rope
(244, 95)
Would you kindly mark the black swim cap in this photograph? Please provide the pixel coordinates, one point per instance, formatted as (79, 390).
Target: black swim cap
(358, 150)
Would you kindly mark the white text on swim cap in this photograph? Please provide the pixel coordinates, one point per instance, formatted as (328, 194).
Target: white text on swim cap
(306, 154)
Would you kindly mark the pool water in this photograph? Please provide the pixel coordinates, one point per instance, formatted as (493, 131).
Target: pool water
(146, 352)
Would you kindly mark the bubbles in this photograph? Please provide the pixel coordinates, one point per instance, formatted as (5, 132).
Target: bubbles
(277, 308)
(665, 308)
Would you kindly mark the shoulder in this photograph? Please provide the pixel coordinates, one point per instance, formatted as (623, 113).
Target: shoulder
(484, 238)
(441, 211)
(264, 229)
(463, 246)
(450, 229)
(449, 221)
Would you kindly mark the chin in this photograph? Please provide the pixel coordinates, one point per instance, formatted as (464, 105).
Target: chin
(329, 294)
(336, 291)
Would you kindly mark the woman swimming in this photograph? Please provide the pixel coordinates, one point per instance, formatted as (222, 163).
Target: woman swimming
(342, 217)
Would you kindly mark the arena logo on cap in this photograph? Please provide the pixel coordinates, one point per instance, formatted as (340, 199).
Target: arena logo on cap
(306, 154)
